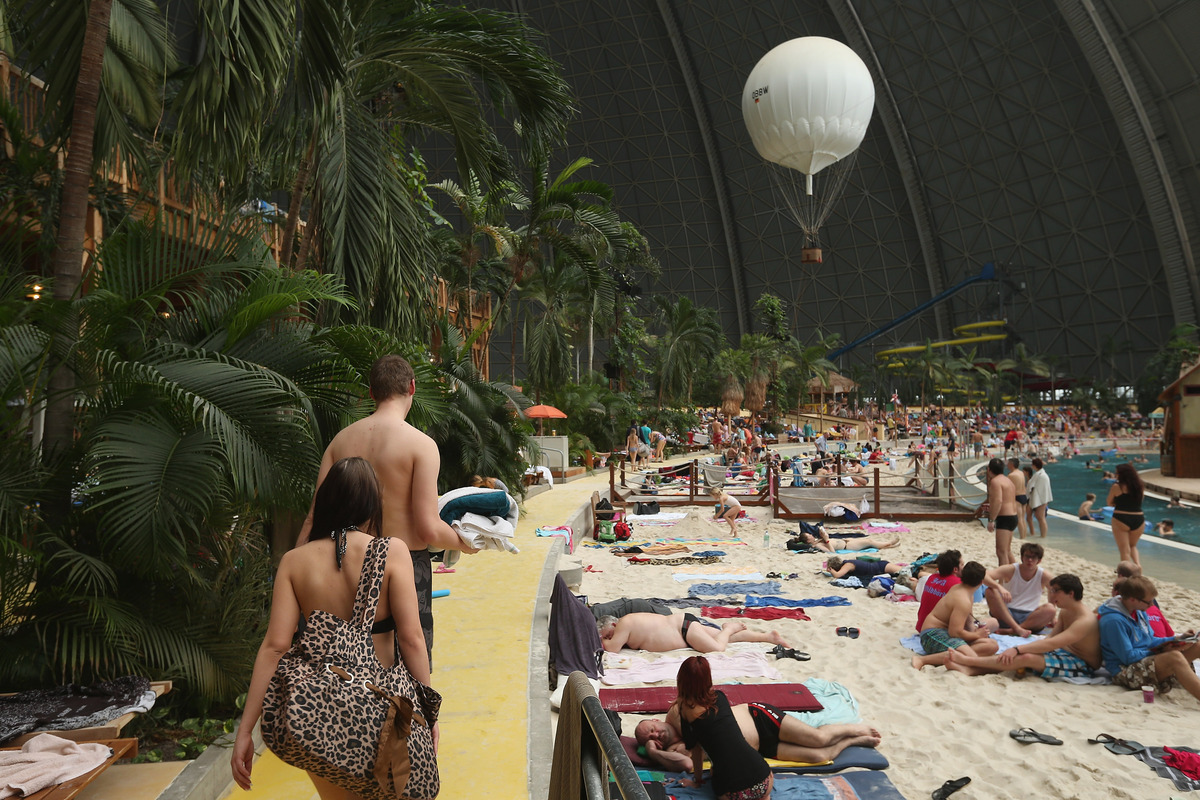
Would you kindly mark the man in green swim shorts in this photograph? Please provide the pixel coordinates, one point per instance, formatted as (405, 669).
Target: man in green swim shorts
(951, 624)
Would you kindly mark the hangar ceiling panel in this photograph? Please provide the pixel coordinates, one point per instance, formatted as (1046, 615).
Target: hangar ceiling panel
(1017, 156)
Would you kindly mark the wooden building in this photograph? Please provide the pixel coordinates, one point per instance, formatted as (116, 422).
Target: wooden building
(1180, 444)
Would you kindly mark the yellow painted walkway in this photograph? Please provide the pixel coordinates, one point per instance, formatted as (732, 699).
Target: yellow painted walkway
(482, 635)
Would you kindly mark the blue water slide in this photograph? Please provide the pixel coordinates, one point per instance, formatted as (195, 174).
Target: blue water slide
(988, 273)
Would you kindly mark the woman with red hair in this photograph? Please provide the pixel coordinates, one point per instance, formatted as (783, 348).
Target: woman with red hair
(707, 723)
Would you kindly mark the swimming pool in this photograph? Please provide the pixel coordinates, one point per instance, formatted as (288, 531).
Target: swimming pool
(1071, 480)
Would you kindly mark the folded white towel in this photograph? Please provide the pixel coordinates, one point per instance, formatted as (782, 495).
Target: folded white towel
(46, 760)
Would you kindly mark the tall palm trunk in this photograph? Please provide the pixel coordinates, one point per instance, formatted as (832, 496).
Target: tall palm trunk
(72, 225)
(295, 201)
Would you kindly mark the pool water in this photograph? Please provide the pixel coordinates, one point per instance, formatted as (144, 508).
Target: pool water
(1071, 480)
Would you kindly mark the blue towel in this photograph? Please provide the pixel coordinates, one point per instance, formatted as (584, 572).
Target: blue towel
(489, 504)
(708, 589)
(707, 553)
(782, 602)
(838, 706)
(847, 583)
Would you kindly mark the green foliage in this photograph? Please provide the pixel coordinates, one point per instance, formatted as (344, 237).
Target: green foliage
(205, 401)
(479, 433)
(770, 312)
(1163, 367)
(594, 412)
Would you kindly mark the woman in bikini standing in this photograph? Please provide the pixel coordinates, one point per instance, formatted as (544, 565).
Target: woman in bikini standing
(1128, 522)
(708, 726)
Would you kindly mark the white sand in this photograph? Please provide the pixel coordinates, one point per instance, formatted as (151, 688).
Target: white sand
(936, 724)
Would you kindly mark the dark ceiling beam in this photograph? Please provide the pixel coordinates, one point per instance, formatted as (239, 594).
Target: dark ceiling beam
(715, 168)
(902, 149)
(1123, 87)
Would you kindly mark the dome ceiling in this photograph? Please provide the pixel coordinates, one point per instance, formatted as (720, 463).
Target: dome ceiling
(1058, 140)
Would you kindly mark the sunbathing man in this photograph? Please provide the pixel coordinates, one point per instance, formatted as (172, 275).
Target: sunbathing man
(831, 544)
(659, 633)
(771, 732)
(1018, 605)
(1072, 650)
(951, 625)
(863, 569)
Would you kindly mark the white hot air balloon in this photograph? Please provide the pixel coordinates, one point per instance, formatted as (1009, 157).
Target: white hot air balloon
(806, 105)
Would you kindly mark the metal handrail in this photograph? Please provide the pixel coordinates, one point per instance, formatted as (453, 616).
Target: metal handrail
(600, 750)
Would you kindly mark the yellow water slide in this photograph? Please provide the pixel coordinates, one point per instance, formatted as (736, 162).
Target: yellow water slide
(965, 335)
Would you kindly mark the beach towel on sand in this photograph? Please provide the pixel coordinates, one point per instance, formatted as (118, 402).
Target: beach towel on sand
(846, 786)
(783, 602)
(657, 699)
(725, 666)
(712, 589)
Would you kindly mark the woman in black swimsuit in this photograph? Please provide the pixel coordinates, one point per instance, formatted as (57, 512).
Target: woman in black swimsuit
(707, 724)
(1128, 522)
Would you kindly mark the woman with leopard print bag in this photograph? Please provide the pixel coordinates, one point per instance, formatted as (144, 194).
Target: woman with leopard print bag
(361, 721)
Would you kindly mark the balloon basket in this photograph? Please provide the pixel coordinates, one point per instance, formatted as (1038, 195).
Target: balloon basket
(810, 255)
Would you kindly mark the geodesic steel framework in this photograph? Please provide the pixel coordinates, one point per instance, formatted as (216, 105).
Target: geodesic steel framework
(1055, 138)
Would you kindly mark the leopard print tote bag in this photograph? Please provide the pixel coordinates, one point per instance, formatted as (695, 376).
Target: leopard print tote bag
(332, 709)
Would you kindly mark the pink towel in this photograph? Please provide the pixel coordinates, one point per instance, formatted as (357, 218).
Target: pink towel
(47, 760)
(724, 666)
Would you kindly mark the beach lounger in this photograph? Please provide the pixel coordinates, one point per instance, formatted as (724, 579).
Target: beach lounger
(121, 748)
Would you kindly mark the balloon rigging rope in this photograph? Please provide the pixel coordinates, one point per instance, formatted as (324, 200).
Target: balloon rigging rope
(811, 211)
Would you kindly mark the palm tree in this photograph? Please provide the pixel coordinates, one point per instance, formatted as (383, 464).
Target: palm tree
(208, 398)
(731, 367)
(479, 434)
(762, 354)
(932, 366)
(692, 335)
(1022, 364)
(567, 221)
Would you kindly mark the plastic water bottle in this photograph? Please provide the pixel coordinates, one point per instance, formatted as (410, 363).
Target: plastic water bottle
(767, 539)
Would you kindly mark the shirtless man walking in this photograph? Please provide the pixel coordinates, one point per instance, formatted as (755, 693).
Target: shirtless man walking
(767, 729)
(1002, 510)
(1072, 650)
(406, 462)
(1017, 476)
(659, 633)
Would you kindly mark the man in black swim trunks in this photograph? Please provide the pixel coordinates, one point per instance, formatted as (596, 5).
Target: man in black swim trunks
(772, 732)
(1002, 510)
(1017, 476)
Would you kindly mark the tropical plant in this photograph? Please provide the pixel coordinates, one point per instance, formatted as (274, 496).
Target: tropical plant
(207, 397)
(762, 356)
(566, 225)
(731, 367)
(1163, 368)
(691, 337)
(480, 433)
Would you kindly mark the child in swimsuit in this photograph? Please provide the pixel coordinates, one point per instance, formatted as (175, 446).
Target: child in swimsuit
(728, 507)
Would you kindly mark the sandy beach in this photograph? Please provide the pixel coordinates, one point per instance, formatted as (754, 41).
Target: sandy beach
(936, 724)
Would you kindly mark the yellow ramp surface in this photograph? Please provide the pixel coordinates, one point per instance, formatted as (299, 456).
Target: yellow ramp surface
(481, 664)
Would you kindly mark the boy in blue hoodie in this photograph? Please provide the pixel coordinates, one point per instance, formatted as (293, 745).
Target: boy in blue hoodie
(1132, 653)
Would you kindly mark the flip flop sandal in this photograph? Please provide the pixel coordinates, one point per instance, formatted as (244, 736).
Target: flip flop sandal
(442, 569)
(849, 632)
(1119, 746)
(779, 651)
(950, 787)
(1030, 736)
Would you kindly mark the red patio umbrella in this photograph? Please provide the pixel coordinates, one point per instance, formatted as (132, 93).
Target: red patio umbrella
(543, 412)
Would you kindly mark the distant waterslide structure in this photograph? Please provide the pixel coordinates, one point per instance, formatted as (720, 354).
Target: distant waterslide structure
(965, 335)
(988, 273)
(806, 105)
